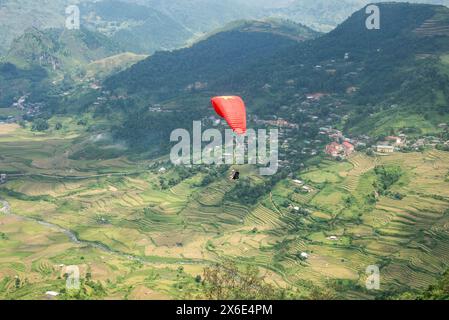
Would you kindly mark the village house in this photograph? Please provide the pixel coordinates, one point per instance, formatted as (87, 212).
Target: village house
(266, 86)
(348, 148)
(419, 143)
(315, 96)
(396, 141)
(335, 149)
(351, 90)
(51, 294)
(307, 189)
(278, 123)
(95, 86)
(3, 178)
(384, 149)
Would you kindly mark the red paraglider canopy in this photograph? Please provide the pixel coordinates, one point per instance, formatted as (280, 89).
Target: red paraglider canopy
(232, 109)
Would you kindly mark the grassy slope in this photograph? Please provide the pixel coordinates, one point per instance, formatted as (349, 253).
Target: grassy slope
(110, 65)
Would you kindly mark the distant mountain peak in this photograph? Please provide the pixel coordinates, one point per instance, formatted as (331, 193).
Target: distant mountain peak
(57, 48)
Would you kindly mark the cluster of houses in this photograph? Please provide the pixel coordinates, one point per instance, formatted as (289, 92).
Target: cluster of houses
(316, 96)
(391, 144)
(397, 143)
(341, 147)
(198, 85)
(303, 186)
(281, 123)
(428, 141)
(331, 133)
(387, 145)
(340, 150)
(30, 109)
(344, 149)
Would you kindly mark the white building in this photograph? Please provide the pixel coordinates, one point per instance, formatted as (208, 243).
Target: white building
(52, 294)
(384, 149)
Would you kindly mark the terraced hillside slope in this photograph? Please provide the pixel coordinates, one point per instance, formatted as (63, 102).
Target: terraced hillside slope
(139, 239)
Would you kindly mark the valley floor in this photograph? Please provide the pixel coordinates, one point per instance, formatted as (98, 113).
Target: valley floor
(131, 239)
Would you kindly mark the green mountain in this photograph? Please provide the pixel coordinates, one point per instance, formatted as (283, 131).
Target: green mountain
(376, 57)
(286, 28)
(385, 81)
(137, 28)
(16, 82)
(188, 74)
(325, 15)
(60, 48)
(19, 15)
(320, 15)
(140, 26)
(207, 63)
(39, 60)
(145, 26)
(202, 16)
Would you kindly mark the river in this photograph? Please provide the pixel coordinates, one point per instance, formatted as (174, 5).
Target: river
(6, 209)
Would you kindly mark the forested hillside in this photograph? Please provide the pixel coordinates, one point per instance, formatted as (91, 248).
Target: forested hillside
(38, 60)
(212, 61)
(400, 65)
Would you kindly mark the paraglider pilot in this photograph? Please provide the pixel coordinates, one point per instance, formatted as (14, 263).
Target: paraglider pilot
(235, 175)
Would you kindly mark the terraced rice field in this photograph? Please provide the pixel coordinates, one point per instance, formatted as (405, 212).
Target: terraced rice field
(411, 233)
(143, 233)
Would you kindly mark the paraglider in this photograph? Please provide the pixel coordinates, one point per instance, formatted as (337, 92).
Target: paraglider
(232, 109)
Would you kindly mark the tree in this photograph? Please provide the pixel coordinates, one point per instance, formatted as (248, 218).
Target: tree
(387, 176)
(40, 125)
(228, 282)
(17, 283)
(82, 122)
(58, 126)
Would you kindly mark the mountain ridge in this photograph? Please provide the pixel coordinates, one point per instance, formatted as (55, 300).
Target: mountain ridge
(236, 46)
(365, 71)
